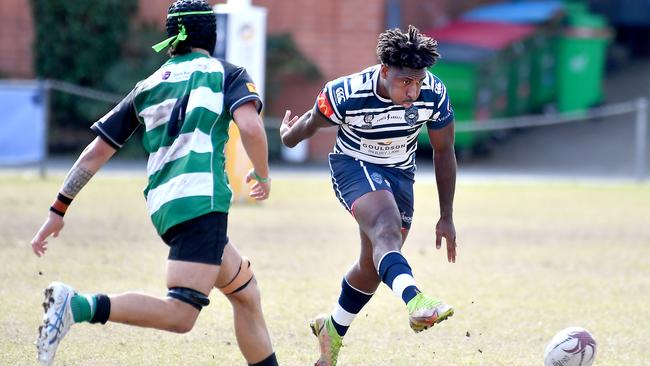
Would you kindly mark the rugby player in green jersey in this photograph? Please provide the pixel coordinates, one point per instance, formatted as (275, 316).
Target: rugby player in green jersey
(185, 109)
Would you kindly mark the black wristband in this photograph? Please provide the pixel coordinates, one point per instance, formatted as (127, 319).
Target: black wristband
(52, 209)
(64, 199)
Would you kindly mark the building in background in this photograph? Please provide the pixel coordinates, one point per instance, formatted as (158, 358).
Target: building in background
(16, 37)
(337, 36)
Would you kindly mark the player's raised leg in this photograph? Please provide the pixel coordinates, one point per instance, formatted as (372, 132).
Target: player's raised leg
(378, 216)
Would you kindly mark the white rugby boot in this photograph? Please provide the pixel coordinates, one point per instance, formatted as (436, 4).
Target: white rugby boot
(56, 321)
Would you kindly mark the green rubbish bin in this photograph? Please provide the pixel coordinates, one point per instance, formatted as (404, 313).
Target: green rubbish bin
(514, 41)
(543, 79)
(546, 18)
(521, 78)
(575, 7)
(476, 80)
(581, 61)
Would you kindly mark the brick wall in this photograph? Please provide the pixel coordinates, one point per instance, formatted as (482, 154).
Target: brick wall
(338, 36)
(329, 33)
(16, 38)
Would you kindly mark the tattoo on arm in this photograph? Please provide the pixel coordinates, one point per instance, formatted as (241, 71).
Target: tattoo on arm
(76, 179)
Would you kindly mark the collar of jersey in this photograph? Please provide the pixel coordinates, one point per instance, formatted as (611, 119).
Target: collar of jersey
(185, 57)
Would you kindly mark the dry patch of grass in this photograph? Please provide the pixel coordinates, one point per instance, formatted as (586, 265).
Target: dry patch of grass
(534, 258)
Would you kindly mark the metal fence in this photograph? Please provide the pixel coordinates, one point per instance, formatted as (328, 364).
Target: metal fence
(637, 107)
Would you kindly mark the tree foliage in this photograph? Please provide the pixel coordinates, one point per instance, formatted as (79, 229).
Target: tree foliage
(77, 42)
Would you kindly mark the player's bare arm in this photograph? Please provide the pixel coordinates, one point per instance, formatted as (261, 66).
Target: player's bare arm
(94, 156)
(444, 162)
(293, 130)
(75, 180)
(251, 129)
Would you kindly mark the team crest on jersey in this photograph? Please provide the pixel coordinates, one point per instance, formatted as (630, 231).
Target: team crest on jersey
(324, 105)
(166, 75)
(367, 121)
(377, 178)
(438, 87)
(411, 115)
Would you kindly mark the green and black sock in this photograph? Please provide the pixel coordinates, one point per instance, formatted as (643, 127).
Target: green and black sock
(83, 307)
(90, 308)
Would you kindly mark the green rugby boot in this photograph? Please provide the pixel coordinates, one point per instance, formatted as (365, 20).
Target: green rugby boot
(425, 312)
(329, 340)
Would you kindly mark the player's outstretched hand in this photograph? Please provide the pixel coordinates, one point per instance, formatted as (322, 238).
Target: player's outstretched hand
(52, 226)
(285, 128)
(445, 229)
(260, 190)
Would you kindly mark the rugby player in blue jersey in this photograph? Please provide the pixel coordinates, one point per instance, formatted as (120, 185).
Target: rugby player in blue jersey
(379, 113)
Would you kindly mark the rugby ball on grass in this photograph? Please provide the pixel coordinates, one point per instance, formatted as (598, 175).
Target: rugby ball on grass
(573, 346)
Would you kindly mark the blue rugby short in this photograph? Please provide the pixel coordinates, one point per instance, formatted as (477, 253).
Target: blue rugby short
(352, 178)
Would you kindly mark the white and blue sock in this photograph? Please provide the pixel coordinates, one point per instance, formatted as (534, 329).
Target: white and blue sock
(351, 301)
(395, 272)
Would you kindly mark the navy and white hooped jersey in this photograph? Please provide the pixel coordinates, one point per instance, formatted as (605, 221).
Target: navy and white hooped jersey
(373, 128)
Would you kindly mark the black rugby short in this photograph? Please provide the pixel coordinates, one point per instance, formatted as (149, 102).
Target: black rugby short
(201, 239)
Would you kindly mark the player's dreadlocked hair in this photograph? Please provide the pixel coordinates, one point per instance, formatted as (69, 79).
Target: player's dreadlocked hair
(412, 49)
(201, 29)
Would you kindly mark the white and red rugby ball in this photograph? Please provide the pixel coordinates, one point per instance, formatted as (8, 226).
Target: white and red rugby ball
(573, 346)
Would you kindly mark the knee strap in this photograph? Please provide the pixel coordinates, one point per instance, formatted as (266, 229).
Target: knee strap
(241, 280)
(189, 296)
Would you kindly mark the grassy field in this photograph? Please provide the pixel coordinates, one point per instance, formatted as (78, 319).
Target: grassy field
(533, 258)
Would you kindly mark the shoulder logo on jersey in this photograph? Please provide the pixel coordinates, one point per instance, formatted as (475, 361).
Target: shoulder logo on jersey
(340, 95)
(251, 88)
(437, 88)
(411, 115)
(324, 105)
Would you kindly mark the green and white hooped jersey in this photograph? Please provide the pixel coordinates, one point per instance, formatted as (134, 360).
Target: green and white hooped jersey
(185, 108)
